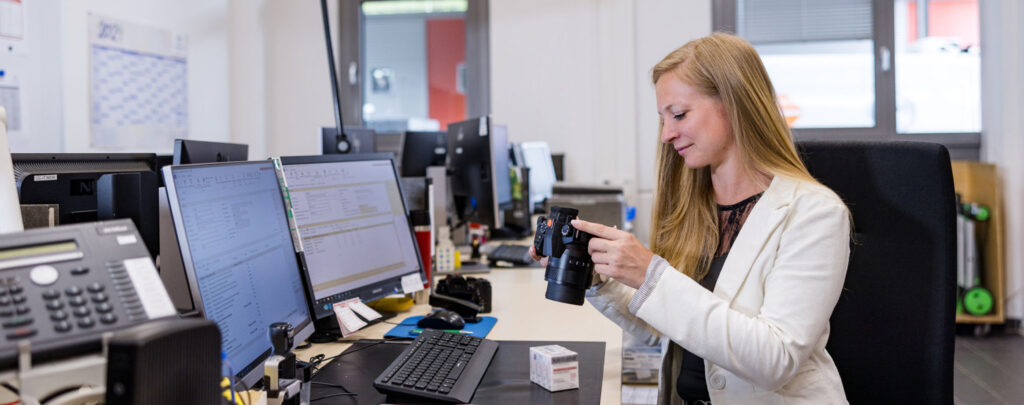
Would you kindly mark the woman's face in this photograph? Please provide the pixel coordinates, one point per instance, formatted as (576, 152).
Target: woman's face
(695, 124)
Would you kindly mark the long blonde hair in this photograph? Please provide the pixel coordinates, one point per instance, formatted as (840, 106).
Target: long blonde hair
(685, 218)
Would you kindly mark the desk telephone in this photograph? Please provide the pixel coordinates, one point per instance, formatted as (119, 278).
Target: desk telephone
(62, 288)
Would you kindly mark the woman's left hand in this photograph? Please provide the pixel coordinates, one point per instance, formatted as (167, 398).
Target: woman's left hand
(616, 253)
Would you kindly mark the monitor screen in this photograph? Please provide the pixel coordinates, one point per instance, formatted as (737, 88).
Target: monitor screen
(354, 226)
(537, 157)
(189, 152)
(472, 181)
(421, 150)
(238, 253)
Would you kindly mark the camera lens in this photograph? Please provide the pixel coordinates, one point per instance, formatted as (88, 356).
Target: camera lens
(569, 276)
(570, 269)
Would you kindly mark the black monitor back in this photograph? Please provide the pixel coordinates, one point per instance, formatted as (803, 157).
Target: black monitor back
(91, 187)
(422, 149)
(190, 151)
(471, 168)
(361, 140)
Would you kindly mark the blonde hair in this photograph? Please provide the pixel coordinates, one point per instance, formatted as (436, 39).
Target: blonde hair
(684, 221)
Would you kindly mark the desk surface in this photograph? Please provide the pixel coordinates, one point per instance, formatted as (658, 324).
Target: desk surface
(524, 314)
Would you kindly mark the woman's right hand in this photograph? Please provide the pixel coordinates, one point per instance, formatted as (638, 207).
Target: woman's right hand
(543, 260)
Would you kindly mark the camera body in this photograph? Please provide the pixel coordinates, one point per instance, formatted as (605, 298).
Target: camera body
(570, 269)
(475, 290)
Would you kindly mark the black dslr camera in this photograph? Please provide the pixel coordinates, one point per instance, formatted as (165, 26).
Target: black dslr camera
(475, 290)
(570, 268)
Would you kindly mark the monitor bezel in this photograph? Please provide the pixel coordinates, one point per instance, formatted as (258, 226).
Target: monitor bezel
(315, 309)
(250, 373)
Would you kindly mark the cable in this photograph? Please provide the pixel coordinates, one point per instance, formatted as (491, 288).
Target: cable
(399, 324)
(319, 359)
(331, 385)
(245, 389)
(340, 394)
(10, 388)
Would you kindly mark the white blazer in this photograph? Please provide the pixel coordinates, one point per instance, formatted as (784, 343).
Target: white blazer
(762, 332)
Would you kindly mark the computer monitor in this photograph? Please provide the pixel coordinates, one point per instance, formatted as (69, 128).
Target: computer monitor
(92, 187)
(360, 140)
(422, 149)
(190, 151)
(354, 226)
(537, 156)
(390, 143)
(471, 146)
(242, 268)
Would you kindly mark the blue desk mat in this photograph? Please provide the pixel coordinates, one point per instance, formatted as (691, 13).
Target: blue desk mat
(479, 329)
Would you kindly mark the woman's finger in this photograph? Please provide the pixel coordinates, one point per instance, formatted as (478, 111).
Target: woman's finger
(533, 254)
(599, 245)
(598, 230)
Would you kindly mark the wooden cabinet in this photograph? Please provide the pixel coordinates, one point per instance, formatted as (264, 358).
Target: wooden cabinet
(979, 182)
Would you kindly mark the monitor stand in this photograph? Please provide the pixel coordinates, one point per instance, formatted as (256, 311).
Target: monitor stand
(328, 330)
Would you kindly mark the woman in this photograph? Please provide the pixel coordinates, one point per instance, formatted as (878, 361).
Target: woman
(748, 252)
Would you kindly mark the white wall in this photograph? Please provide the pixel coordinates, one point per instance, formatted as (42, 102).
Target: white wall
(576, 73)
(37, 72)
(298, 98)
(205, 23)
(1003, 128)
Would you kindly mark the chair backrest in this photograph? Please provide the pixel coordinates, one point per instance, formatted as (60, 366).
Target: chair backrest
(892, 332)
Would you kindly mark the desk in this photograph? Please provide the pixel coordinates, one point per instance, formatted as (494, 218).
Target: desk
(524, 314)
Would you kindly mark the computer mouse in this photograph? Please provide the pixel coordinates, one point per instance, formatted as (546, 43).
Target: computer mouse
(442, 319)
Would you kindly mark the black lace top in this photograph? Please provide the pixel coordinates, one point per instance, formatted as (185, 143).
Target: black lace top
(691, 385)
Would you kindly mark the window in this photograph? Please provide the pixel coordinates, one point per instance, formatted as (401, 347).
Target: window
(420, 65)
(869, 69)
(938, 66)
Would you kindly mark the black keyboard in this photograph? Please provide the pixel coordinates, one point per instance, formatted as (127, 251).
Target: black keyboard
(439, 365)
(516, 254)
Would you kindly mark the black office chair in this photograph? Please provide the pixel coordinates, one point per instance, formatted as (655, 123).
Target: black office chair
(893, 329)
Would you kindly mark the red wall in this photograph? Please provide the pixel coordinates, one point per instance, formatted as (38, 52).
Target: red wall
(446, 48)
(954, 18)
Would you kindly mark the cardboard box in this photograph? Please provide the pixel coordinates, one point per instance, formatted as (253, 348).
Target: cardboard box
(554, 367)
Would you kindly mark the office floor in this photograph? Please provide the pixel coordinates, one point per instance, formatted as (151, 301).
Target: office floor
(989, 370)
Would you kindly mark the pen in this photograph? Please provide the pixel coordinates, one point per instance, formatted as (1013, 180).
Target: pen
(459, 331)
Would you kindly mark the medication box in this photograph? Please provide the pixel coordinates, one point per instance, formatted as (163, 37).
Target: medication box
(554, 367)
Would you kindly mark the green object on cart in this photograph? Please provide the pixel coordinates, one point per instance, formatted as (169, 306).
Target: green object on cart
(978, 301)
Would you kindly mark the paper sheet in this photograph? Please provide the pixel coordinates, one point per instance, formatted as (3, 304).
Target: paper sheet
(365, 311)
(149, 287)
(347, 320)
(138, 84)
(412, 283)
(639, 394)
